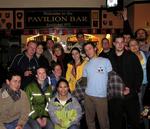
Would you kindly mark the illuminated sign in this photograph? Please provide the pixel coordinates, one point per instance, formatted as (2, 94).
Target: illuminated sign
(57, 18)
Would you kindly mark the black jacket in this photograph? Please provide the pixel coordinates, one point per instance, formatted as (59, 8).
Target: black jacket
(105, 55)
(21, 63)
(43, 62)
(130, 69)
(146, 99)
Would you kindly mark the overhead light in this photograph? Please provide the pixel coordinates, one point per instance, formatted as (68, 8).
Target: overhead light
(108, 36)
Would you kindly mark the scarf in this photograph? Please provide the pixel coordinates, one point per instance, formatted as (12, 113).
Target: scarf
(15, 95)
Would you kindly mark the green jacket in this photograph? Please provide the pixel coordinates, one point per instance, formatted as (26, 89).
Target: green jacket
(38, 99)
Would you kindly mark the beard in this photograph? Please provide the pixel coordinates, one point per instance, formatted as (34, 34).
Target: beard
(141, 39)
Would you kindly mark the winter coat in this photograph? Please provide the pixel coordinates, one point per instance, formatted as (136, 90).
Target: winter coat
(38, 99)
(63, 116)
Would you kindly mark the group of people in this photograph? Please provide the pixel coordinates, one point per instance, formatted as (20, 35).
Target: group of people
(39, 92)
(130, 59)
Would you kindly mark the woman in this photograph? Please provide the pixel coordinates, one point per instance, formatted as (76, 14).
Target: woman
(75, 68)
(146, 99)
(61, 57)
(39, 93)
(134, 47)
(64, 109)
(56, 75)
(42, 61)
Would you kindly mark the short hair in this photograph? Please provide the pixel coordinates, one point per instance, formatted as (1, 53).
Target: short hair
(31, 41)
(54, 64)
(120, 35)
(40, 43)
(88, 43)
(10, 74)
(146, 34)
(79, 33)
(49, 39)
(41, 67)
(103, 40)
(128, 33)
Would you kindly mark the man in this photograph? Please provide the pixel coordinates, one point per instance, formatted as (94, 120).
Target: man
(106, 48)
(96, 71)
(14, 103)
(141, 35)
(126, 64)
(26, 63)
(48, 52)
(80, 40)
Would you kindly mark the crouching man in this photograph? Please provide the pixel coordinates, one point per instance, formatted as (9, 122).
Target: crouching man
(14, 105)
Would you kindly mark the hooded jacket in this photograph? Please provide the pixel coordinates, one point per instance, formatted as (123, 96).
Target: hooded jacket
(63, 116)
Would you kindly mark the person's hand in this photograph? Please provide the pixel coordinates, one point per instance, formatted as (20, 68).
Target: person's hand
(125, 14)
(19, 127)
(42, 121)
(27, 73)
(126, 91)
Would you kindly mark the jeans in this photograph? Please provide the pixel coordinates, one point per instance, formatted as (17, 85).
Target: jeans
(13, 125)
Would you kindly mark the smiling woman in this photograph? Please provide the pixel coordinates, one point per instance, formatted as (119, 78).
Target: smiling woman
(64, 109)
(39, 93)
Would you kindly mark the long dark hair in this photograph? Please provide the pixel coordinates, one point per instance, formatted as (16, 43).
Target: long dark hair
(76, 49)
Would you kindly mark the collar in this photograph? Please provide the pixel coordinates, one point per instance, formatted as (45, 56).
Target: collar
(69, 99)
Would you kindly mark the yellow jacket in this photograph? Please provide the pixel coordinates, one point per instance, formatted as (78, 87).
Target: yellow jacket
(70, 78)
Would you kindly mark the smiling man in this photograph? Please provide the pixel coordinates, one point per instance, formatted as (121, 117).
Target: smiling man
(96, 70)
(26, 63)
